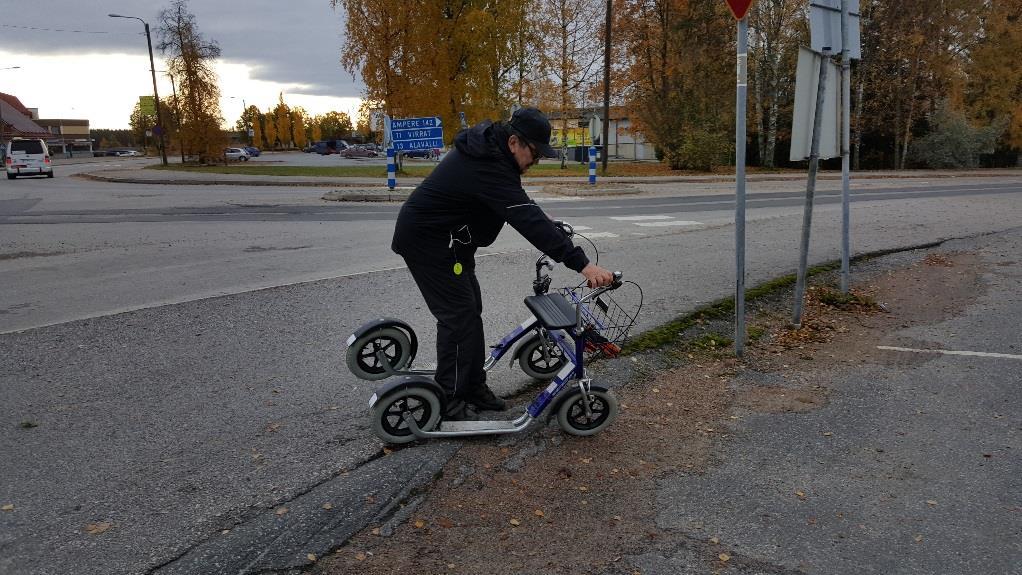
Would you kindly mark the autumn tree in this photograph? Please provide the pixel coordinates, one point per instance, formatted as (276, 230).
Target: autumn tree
(140, 122)
(282, 122)
(334, 125)
(190, 59)
(678, 77)
(994, 89)
(438, 58)
(299, 137)
(776, 29)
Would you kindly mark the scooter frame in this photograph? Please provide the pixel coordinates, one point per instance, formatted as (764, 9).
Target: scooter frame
(574, 369)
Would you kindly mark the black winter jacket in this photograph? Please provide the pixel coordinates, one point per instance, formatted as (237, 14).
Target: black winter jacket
(467, 199)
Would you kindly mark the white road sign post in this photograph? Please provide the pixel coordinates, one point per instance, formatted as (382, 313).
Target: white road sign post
(807, 212)
(834, 24)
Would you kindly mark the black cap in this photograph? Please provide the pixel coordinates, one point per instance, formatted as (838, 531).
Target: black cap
(531, 124)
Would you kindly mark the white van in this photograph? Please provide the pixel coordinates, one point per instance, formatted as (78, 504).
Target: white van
(27, 157)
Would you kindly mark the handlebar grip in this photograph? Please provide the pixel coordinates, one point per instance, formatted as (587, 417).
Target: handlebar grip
(618, 276)
(564, 227)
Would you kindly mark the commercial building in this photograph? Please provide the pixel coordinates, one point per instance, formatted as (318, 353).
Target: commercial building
(63, 136)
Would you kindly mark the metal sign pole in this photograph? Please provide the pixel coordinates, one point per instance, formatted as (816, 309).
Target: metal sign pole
(740, 98)
(807, 214)
(846, 128)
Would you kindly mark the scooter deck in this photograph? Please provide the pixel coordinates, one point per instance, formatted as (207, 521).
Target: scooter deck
(476, 425)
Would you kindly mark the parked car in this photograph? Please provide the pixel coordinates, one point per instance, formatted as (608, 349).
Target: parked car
(26, 157)
(430, 153)
(118, 152)
(236, 154)
(252, 151)
(309, 148)
(327, 147)
(358, 152)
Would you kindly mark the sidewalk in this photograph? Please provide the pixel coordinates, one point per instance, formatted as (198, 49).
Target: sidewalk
(375, 189)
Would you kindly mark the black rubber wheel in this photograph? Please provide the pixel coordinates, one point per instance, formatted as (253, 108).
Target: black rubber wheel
(361, 355)
(11, 176)
(388, 414)
(49, 174)
(572, 418)
(532, 362)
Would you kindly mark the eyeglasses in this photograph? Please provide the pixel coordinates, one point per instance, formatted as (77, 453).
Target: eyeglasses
(533, 152)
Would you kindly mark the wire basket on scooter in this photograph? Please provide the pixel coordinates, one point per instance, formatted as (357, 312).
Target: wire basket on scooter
(605, 321)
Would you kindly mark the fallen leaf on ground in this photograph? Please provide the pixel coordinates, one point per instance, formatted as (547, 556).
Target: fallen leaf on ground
(539, 513)
(8, 507)
(97, 528)
(328, 506)
(724, 557)
(801, 494)
(918, 538)
(281, 511)
(515, 522)
(360, 556)
(419, 523)
(376, 531)
(714, 540)
(931, 502)
(445, 523)
(311, 557)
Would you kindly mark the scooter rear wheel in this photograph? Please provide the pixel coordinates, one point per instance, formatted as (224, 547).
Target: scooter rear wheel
(532, 362)
(388, 414)
(362, 359)
(572, 418)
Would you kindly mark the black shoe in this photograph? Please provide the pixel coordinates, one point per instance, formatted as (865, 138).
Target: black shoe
(458, 410)
(484, 399)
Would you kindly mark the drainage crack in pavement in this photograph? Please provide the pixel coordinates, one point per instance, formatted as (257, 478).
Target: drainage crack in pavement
(312, 524)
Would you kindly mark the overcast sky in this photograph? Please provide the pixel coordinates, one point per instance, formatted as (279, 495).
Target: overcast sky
(76, 62)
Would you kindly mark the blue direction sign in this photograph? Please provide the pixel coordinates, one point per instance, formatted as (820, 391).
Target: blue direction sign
(417, 133)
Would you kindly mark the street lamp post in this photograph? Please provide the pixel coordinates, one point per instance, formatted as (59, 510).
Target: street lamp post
(156, 95)
(2, 110)
(244, 110)
(177, 108)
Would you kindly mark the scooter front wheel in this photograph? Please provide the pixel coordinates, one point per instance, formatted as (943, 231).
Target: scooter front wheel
(572, 418)
(363, 359)
(388, 413)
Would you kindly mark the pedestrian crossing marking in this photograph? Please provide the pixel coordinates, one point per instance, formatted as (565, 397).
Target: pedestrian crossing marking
(669, 223)
(635, 218)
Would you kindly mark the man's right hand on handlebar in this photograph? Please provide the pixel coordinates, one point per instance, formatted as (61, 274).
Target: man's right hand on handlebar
(597, 276)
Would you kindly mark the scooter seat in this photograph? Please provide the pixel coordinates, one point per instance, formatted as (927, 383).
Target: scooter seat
(552, 310)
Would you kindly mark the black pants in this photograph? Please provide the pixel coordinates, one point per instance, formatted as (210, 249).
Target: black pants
(456, 303)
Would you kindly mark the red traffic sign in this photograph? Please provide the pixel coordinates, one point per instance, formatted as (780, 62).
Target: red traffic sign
(739, 7)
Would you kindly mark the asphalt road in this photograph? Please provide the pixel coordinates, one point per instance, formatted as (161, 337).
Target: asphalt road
(173, 378)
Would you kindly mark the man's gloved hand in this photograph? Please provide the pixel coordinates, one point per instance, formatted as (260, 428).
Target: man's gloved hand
(597, 276)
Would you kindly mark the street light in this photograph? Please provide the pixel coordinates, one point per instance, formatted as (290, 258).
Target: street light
(244, 110)
(2, 109)
(156, 95)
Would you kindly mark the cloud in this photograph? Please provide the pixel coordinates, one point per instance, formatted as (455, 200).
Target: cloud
(292, 43)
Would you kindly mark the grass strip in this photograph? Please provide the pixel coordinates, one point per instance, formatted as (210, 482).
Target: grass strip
(671, 333)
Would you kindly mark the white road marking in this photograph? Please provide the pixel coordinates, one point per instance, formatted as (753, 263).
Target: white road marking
(951, 352)
(634, 218)
(581, 228)
(601, 235)
(670, 223)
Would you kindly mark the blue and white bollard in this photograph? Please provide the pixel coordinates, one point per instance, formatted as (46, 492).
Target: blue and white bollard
(592, 165)
(391, 171)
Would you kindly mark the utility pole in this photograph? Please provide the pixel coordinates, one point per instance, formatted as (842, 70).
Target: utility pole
(156, 94)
